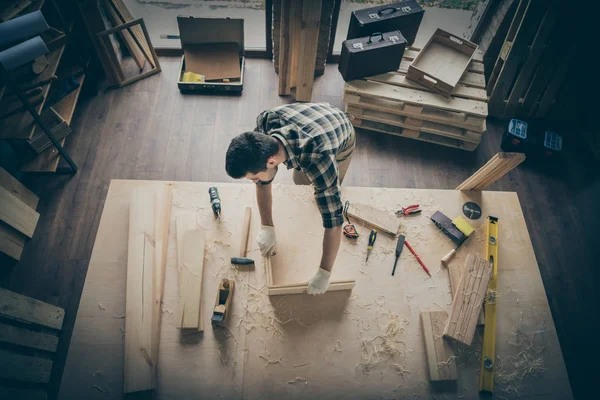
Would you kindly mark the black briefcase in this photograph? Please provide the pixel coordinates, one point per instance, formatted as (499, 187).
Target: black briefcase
(372, 55)
(404, 16)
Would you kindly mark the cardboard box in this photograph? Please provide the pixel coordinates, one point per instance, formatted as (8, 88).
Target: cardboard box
(213, 48)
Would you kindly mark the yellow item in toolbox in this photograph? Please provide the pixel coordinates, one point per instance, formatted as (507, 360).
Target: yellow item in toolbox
(192, 77)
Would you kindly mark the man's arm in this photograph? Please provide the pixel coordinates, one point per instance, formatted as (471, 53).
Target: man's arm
(264, 198)
(331, 244)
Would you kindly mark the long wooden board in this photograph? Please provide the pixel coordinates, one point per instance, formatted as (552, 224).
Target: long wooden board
(11, 241)
(307, 52)
(139, 322)
(498, 166)
(184, 224)
(27, 338)
(17, 214)
(24, 368)
(468, 300)
(370, 216)
(26, 309)
(8, 182)
(191, 265)
(440, 356)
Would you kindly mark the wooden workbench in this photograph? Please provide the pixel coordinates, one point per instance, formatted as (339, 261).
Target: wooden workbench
(304, 346)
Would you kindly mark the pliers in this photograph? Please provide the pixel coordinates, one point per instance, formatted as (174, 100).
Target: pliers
(414, 209)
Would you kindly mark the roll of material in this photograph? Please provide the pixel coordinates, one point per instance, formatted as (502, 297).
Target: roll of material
(22, 53)
(22, 27)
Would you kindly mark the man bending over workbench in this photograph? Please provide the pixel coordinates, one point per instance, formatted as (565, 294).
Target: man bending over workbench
(317, 140)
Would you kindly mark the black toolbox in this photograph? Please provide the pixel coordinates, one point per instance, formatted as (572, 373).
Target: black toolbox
(371, 55)
(404, 16)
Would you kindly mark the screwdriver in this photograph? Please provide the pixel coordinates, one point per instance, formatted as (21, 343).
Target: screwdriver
(372, 238)
(417, 257)
(399, 247)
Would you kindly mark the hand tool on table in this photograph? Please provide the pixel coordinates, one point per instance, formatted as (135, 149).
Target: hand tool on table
(417, 256)
(215, 201)
(458, 230)
(413, 209)
(224, 295)
(372, 238)
(349, 229)
(399, 247)
(242, 259)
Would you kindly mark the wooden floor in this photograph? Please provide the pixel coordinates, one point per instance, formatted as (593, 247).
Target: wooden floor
(149, 131)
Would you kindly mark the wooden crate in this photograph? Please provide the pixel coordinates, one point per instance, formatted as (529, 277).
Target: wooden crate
(400, 105)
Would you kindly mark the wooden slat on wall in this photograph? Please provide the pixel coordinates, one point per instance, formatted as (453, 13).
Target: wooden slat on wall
(17, 214)
(26, 309)
(440, 357)
(8, 182)
(11, 241)
(307, 54)
(27, 338)
(24, 368)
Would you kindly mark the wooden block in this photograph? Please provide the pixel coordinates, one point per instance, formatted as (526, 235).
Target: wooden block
(24, 368)
(309, 42)
(455, 271)
(27, 338)
(22, 394)
(385, 222)
(17, 214)
(183, 224)
(11, 241)
(8, 182)
(440, 357)
(190, 267)
(26, 309)
(139, 367)
(468, 300)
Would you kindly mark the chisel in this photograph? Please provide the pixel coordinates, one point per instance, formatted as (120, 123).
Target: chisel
(399, 247)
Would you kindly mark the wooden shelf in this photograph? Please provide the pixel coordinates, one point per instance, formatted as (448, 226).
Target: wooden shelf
(21, 126)
(48, 160)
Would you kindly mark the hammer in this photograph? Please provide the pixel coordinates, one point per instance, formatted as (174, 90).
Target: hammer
(242, 259)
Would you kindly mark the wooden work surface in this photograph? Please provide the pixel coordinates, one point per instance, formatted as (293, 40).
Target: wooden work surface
(312, 347)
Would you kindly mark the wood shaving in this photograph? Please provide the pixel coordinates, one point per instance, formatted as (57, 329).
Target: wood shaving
(270, 361)
(101, 306)
(338, 346)
(299, 379)
(118, 316)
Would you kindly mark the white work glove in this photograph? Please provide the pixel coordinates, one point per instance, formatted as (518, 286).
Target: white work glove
(319, 283)
(266, 240)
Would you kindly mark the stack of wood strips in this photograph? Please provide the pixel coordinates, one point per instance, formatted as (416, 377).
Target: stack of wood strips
(391, 103)
(29, 333)
(324, 34)
(18, 218)
(149, 221)
(532, 63)
(494, 169)
(468, 300)
(58, 126)
(299, 38)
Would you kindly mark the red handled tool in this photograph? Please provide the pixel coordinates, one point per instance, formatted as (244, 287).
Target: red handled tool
(414, 209)
(417, 257)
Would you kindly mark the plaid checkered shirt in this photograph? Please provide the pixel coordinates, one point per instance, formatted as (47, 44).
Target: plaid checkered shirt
(312, 134)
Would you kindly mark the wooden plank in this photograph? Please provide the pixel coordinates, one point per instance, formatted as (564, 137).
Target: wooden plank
(26, 309)
(334, 286)
(440, 356)
(24, 368)
(294, 38)
(17, 214)
(375, 218)
(28, 338)
(455, 271)
(183, 224)
(468, 300)
(139, 367)
(135, 52)
(22, 394)
(8, 182)
(307, 54)
(494, 169)
(11, 241)
(417, 97)
(190, 267)
(285, 49)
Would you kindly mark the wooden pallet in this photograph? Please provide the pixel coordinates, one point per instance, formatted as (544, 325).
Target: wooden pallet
(414, 134)
(414, 124)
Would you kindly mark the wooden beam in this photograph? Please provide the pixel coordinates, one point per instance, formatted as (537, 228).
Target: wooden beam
(440, 357)
(139, 367)
(27, 338)
(375, 218)
(245, 232)
(10, 183)
(26, 309)
(24, 368)
(307, 54)
(11, 241)
(190, 265)
(468, 300)
(494, 169)
(17, 214)
(285, 49)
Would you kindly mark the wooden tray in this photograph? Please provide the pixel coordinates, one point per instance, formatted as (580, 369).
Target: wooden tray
(442, 62)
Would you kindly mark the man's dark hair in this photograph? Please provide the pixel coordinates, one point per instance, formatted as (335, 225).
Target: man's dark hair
(249, 152)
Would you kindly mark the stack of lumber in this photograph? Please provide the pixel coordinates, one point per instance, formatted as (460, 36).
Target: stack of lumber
(532, 63)
(391, 103)
(298, 42)
(494, 169)
(18, 218)
(29, 332)
(324, 35)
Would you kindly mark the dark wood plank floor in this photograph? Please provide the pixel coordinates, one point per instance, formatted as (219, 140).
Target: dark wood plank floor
(150, 131)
